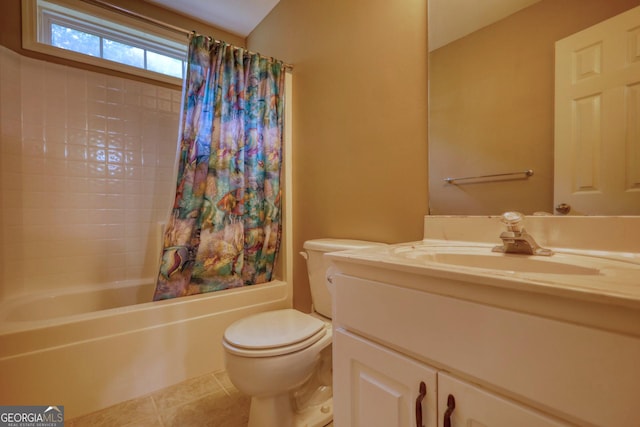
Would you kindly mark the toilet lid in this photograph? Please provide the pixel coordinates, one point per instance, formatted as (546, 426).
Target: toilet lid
(273, 329)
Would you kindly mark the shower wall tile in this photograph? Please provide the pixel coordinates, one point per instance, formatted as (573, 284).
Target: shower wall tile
(87, 175)
(10, 152)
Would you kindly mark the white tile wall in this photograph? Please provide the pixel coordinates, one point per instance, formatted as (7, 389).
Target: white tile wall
(87, 174)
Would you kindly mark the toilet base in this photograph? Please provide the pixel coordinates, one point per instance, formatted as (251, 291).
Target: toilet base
(315, 416)
(273, 411)
(277, 411)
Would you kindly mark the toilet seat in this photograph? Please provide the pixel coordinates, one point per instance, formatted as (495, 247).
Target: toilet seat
(273, 333)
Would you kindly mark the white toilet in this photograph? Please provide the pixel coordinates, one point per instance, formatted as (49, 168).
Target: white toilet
(282, 358)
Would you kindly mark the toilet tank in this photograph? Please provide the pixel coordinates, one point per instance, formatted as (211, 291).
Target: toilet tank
(317, 267)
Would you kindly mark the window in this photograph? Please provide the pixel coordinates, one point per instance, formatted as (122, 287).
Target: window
(86, 33)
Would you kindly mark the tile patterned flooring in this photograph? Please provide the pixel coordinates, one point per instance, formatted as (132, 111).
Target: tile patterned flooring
(209, 400)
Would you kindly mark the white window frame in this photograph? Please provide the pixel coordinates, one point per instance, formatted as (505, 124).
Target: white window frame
(37, 15)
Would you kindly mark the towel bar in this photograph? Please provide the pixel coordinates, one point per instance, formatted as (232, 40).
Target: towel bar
(527, 173)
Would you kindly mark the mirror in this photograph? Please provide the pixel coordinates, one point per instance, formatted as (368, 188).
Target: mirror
(491, 100)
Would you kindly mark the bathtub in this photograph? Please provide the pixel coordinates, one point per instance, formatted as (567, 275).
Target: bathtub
(89, 348)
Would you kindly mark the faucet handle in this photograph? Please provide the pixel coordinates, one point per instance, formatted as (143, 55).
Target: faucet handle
(513, 220)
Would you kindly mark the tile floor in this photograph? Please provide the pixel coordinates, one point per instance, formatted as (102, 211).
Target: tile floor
(209, 400)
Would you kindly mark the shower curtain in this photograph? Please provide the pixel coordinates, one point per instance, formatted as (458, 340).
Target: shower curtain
(225, 226)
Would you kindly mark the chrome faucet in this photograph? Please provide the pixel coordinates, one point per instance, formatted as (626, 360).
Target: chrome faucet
(516, 240)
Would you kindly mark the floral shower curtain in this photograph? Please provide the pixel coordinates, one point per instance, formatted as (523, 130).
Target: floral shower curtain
(225, 226)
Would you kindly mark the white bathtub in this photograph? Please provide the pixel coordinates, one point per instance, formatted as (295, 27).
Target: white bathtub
(90, 348)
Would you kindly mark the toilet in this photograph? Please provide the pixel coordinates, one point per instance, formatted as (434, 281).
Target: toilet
(282, 358)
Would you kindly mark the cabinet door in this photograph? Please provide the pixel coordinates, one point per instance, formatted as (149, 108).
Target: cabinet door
(377, 387)
(475, 407)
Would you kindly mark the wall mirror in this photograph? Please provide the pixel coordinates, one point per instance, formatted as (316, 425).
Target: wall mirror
(491, 100)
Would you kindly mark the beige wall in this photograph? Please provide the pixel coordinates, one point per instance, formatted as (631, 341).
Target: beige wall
(491, 107)
(359, 118)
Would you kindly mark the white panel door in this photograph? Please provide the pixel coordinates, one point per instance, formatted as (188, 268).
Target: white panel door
(461, 404)
(597, 118)
(376, 387)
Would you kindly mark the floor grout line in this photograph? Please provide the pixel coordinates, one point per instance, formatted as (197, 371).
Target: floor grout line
(157, 411)
(222, 386)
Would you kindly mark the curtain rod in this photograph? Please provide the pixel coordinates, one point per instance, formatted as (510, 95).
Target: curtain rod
(127, 12)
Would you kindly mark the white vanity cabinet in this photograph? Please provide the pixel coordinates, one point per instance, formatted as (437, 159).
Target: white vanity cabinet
(503, 368)
(378, 387)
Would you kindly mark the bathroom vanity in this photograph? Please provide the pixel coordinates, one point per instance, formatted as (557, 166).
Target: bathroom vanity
(446, 332)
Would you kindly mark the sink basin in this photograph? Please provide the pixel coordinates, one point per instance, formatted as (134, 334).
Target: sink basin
(516, 263)
(484, 258)
(585, 273)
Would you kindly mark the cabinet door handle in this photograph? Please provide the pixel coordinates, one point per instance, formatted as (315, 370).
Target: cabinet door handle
(451, 405)
(419, 399)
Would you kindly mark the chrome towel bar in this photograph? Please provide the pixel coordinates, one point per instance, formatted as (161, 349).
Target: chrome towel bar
(526, 173)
